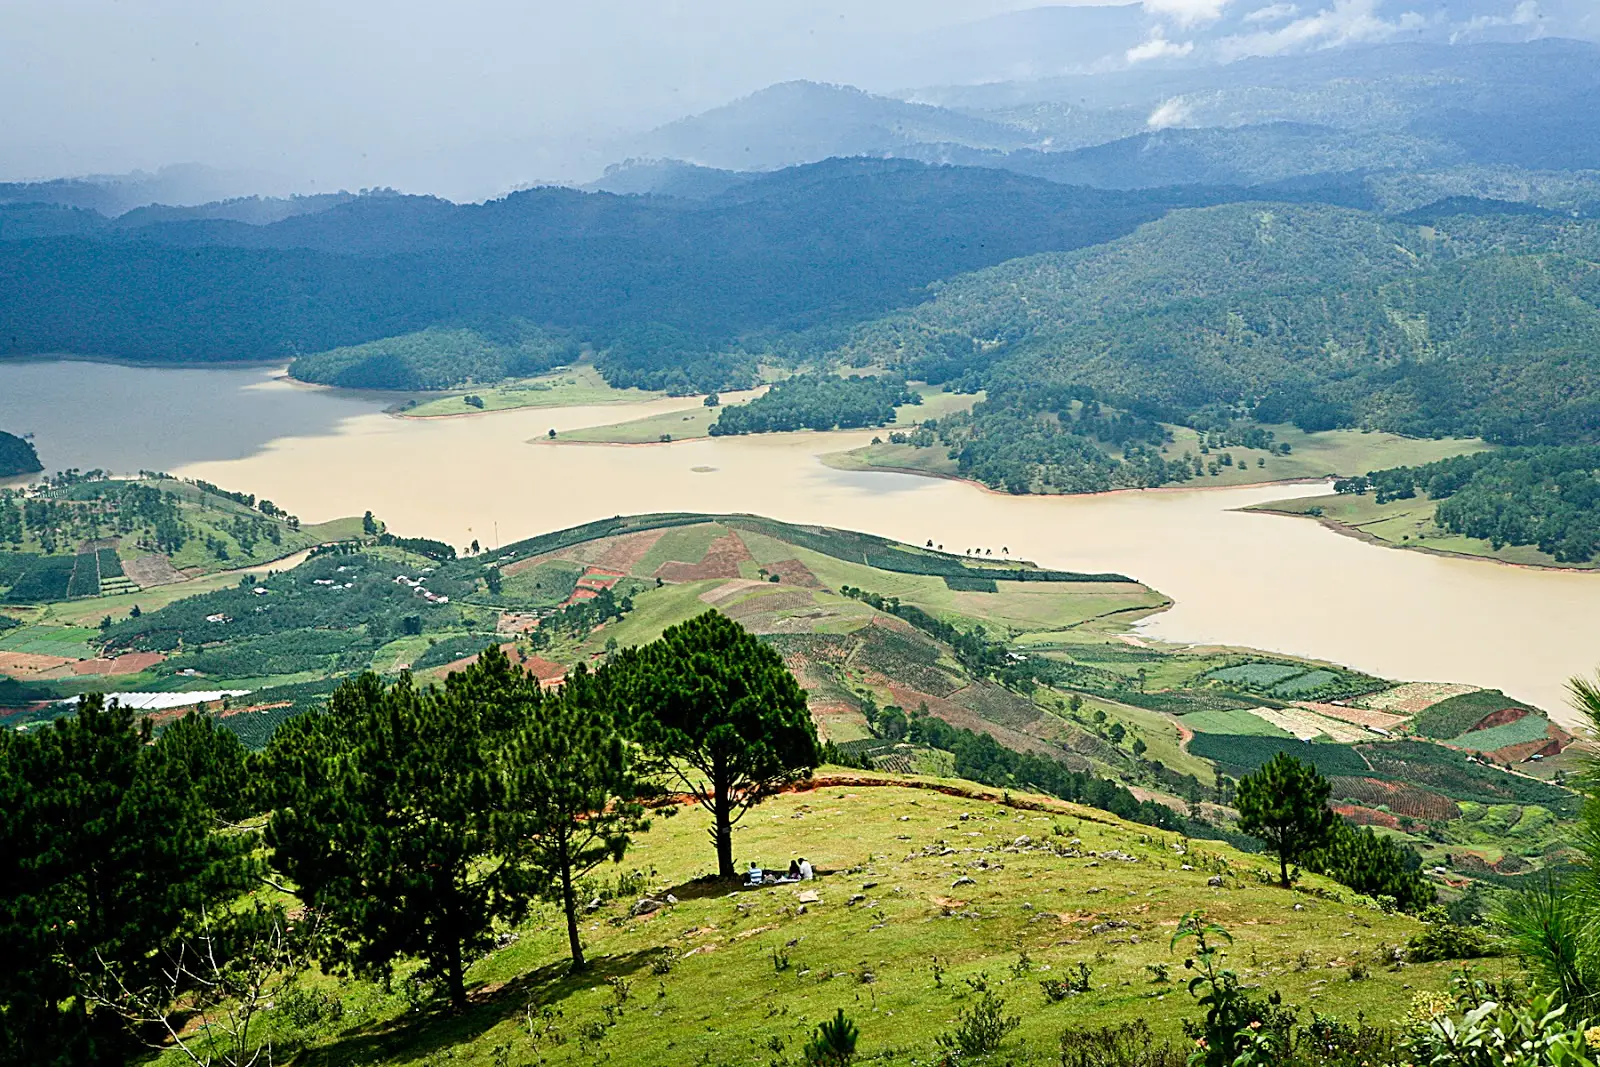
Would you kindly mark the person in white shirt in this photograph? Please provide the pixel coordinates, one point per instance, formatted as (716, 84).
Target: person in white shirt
(806, 873)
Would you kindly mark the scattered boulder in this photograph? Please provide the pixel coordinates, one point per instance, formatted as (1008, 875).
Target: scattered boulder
(1215, 881)
(963, 880)
(647, 905)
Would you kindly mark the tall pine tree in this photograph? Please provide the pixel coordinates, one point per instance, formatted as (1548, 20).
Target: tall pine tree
(719, 712)
(1284, 802)
(393, 815)
(575, 795)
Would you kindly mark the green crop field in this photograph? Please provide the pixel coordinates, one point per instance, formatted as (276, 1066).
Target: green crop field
(1257, 675)
(1528, 728)
(1240, 723)
(1456, 715)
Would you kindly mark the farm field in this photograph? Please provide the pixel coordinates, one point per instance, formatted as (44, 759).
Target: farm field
(888, 938)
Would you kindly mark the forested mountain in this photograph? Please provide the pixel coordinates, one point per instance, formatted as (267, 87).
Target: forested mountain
(663, 284)
(1315, 314)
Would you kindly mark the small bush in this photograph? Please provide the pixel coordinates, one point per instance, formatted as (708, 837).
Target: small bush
(979, 1030)
(1442, 939)
(833, 1044)
(1128, 1045)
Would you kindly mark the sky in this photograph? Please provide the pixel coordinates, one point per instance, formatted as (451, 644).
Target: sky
(471, 97)
(356, 92)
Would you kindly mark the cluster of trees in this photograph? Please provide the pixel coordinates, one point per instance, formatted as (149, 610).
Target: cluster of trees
(1059, 440)
(440, 357)
(819, 402)
(17, 456)
(981, 758)
(1284, 803)
(407, 821)
(1547, 497)
(422, 546)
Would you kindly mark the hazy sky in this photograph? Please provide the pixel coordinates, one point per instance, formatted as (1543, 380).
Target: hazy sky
(353, 92)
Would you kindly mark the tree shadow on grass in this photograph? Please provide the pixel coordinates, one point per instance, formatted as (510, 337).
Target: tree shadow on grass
(420, 1034)
(707, 886)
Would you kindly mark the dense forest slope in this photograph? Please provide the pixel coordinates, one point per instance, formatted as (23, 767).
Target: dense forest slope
(1474, 325)
(662, 283)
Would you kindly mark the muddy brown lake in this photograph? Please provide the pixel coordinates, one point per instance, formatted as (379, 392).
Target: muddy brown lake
(1262, 581)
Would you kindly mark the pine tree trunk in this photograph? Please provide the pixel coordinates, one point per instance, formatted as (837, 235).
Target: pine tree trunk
(1283, 869)
(569, 903)
(453, 975)
(723, 834)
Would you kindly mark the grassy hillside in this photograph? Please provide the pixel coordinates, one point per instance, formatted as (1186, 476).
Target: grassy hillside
(925, 897)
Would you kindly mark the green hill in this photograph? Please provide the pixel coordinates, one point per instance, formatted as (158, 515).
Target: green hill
(17, 456)
(928, 893)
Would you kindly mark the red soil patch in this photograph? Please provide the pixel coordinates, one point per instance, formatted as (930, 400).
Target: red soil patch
(1409, 800)
(967, 719)
(549, 674)
(1551, 744)
(622, 554)
(127, 663)
(721, 560)
(1499, 718)
(793, 572)
(1361, 816)
(17, 664)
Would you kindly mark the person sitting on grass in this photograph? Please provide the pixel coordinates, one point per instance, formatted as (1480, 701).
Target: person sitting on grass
(806, 873)
(753, 876)
(794, 870)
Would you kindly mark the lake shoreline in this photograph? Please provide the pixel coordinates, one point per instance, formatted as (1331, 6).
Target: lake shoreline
(1344, 529)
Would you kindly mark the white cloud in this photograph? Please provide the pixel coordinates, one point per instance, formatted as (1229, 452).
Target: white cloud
(1526, 13)
(1173, 112)
(1272, 13)
(1346, 22)
(1158, 47)
(1186, 12)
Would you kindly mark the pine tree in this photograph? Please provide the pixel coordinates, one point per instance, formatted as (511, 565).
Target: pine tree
(574, 795)
(393, 812)
(106, 855)
(719, 712)
(1285, 803)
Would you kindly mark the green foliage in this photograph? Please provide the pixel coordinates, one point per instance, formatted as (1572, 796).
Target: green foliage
(106, 854)
(1456, 715)
(390, 849)
(833, 1044)
(1284, 803)
(1372, 865)
(573, 790)
(980, 1029)
(720, 713)
(818, 402)
(36, 579)
(1243, 753)
(438, 358)
(451, 648)
(17, 456)
(1443, 939)
(211, 758)
(1495, 1030)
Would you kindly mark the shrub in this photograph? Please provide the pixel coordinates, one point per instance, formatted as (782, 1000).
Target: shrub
(979, 1030)
(1442, 939)
(833, 1044)
(1128, 1045)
